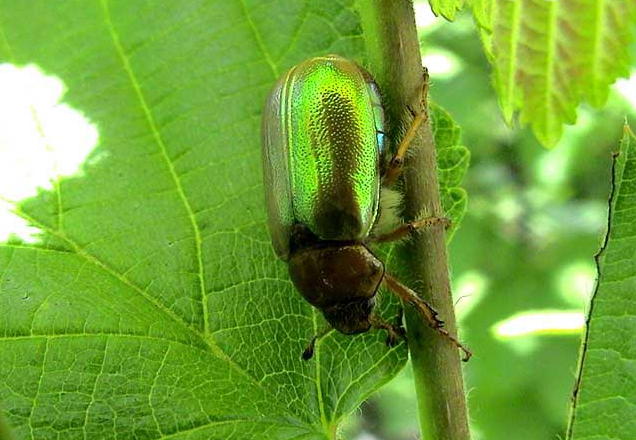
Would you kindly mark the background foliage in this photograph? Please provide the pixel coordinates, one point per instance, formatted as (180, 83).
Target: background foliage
(548, 56)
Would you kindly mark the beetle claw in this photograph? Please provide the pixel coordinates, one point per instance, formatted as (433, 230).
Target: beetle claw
(308, 353)
(438, 322)
(391, 341)
(394, 335)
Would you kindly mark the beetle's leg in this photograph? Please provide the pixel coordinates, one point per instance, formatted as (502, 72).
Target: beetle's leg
(309, 351)
(425, 310)
(394, 167)
(393, 332)
(408, 228)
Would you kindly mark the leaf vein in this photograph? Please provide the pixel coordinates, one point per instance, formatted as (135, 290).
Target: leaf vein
(157, 136)
(153, 387)
(259, 40)
(39, 388)
(101, 371)
(360, 378)
(321, 403)
(81, 252)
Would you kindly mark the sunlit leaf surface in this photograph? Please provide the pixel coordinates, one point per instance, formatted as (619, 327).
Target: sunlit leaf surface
(446, 8)
(452, 164)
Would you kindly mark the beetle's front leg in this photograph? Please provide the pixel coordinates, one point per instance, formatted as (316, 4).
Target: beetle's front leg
(396, 164)
(425, 310)
(407, 228)
(309, 350)
(393, 332)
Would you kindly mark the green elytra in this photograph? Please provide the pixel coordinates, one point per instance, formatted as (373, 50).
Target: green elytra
(322, 149)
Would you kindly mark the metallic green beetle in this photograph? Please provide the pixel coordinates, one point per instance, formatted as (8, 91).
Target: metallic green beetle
(323, 169)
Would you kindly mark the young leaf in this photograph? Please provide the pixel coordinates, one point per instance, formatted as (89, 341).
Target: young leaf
(446, 8)
(605, 396)
(550, 55)
(452, 164)
(151, 304)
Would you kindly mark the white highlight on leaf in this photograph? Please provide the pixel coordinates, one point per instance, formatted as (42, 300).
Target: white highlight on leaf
(41, 140)
(540, 322)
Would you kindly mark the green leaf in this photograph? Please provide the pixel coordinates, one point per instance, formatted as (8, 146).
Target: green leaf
(446, 8)
(149, 302)
(454, 201)
(452, 164)
(605, 396)
(548, 56)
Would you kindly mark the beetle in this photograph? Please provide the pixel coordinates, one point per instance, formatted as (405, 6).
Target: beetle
(326, 178)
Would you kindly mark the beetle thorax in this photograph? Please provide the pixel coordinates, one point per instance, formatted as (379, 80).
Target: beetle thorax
(339, 279)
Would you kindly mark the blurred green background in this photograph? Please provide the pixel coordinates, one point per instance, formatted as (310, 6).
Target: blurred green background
(522, 260)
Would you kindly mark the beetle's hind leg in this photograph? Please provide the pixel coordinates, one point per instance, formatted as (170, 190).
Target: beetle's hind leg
(396, 164)
(407, 228)
(425, 310)
(394, 332)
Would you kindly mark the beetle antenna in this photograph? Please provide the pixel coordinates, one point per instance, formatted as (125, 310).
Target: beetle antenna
(309, 351)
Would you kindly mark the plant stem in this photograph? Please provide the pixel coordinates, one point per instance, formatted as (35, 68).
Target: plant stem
(394, 59)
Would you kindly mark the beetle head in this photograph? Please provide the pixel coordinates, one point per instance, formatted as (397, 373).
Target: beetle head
(351, 317)
(339, 279)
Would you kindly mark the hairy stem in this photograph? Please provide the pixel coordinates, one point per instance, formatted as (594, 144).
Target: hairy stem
(394, 60)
